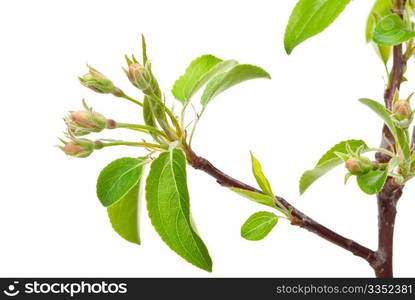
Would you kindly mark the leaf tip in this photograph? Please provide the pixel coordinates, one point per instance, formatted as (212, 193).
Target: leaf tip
(209, 268)
(288, 49)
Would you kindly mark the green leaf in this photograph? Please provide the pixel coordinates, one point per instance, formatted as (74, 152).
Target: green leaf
(144, 47)
(384, 52)
(168, 206)
(225, 80)
(403, 143)
(260, 176)
(118, 178)
(148, 116)
(400, 135)
(309, 18)
(256, 197)
(199, 72)
(327, 162)
(341, 148)
(347, 177)
(371, 183)
(259, 225)
(391, 30)
(342, 156)
(310, 176)
(124, 217)
(381, 111)
(380, 9)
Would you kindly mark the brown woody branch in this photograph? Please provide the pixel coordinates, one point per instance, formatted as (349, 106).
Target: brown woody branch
(299, 218)
(391, 192)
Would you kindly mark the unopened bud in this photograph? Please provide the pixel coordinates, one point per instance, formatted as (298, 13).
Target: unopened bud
(90, 120)
(85, 121)
(78, 147)
(358, 166)
(97, 82)
(402, 108)
(138, 76)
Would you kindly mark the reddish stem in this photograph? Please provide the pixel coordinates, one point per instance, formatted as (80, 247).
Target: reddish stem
(300, 219)
(391, 192)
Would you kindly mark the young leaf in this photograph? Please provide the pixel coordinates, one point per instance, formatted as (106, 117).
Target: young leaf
(225, 80)
(256, 197)
(169, 208)
(342, 155)
(259, 225)
(328, 161)
(118, 178)
(199, 72)
(123, 216)
(391, 30)
(309, 18)
(371, 183)
(312, 175)
(148, 116)
(342, 148)
(347, 177)
(404, 143)
(381, 111)
(400, 135)
(144, 47)
(380, 9)
(260, 177)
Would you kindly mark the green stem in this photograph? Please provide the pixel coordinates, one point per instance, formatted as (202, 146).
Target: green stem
(170, 114)
(195, 125)
(134, 144)
(123, 95)
(141, 128)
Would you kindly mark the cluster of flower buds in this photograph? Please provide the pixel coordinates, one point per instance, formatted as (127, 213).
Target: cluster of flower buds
(79, 147)
(85, 121)
(98, 82)
(140, 76)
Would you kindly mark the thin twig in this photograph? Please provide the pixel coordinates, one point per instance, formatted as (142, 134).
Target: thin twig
(299, 218)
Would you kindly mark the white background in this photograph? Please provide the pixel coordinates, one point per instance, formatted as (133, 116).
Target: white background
(51, 223)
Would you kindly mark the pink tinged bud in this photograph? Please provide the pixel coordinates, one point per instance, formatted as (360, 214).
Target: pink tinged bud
(81, 119)
(352, 165)
(87, 120)
(358, 166)
(137, 75)
(79, 148)
(72, 149)
(402, 108)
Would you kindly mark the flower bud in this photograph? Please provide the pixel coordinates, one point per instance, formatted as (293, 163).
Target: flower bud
(78, 147)
(138, 76)
(85, 121)
(402, 109)
(97, 82)
(358, 166)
